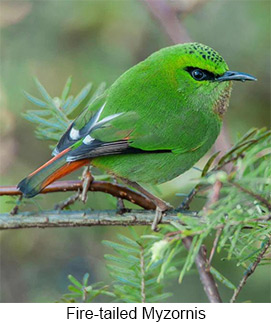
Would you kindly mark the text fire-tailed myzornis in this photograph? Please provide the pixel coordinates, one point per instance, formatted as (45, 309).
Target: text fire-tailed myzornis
(154, 123)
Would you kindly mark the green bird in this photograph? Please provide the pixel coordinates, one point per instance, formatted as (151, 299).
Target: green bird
(153, 124)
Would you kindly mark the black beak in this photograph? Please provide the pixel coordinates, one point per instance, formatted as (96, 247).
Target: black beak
(235, 76)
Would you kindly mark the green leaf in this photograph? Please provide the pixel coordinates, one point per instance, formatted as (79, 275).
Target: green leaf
(85, 279)
(209, 163)
(67, 103)
(188, 260)
(79, 98)
(44, 93)
(75, 281)
(75, 290)
(126, 281)
(34, 118)
(66, 89)
(120, 247)
(34, 100)
(222, 278)
(42, 113)
(234, 240)
(128, 240)
(118, 259)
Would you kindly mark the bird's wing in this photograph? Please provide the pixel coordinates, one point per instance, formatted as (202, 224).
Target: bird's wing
(111, 135)
(91, 135)
(82, 125)
(97, 132)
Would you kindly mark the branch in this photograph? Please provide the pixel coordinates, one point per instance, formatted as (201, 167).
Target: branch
(251, 270)
(87, 218)
(116, 190)
(206, 277)
(201, 261)
(261, 219)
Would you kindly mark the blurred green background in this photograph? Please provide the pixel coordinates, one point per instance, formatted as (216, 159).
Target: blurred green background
(97, 41)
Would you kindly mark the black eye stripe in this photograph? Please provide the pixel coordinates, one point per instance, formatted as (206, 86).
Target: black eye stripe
(199, 74)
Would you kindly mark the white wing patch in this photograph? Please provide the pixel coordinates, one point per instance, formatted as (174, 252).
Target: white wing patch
(74, 134)
(94, 123)
(87, 140)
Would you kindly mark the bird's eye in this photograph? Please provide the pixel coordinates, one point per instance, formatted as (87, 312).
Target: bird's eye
(198, 74)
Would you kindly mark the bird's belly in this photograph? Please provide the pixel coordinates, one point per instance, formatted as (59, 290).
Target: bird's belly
(149, 168)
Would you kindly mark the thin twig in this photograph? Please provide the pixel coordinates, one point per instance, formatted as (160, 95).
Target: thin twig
(69, 201)
(188, 199)
(263, 219)
(215, 243)
(214, 195)
(198, 188)
(256, 196)
(250, 271)
(116, 190)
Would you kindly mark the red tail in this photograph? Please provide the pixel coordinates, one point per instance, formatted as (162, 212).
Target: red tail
(54, 169)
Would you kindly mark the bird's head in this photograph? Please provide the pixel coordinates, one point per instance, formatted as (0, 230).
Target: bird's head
(201, 75)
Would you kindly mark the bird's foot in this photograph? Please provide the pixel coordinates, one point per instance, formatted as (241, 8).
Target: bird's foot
(159, 213)
(15, 209)
(87, 179)
(121, 209)
(161, 206)
(157, 219)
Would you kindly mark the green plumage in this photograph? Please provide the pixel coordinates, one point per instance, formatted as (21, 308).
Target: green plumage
(154, 123)
(171, 111)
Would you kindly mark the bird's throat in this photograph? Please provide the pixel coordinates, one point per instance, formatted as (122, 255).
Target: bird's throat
(222, 102)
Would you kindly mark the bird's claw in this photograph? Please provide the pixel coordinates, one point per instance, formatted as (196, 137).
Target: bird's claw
(87, 179)
(121, 209)
(157, 218)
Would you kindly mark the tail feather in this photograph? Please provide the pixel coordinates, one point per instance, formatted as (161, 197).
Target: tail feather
(51, 171)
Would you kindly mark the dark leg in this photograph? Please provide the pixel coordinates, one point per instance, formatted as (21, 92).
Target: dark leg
(121, 209)
(161, 206)
(86, 181)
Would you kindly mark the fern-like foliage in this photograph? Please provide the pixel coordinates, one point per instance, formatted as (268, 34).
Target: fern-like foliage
(84, 292)
(241, 214)
(132, 269)
(135, 277)
(53, 115)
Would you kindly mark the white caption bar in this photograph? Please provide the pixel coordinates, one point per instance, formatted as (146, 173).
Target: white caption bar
(163, 312)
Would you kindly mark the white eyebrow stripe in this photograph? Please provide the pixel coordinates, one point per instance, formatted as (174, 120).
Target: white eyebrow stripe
(74, 134)
(87, 140)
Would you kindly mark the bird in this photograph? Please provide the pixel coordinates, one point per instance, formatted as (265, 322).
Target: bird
(151, 125)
